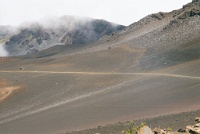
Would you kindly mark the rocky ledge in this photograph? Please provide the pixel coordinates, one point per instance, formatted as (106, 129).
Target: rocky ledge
(190, 129)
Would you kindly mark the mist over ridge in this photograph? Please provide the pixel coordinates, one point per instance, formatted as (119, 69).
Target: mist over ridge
(3, 52)
(32, 37)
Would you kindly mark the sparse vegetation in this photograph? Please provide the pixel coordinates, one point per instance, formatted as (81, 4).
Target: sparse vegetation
(169, 129)
(134, 128)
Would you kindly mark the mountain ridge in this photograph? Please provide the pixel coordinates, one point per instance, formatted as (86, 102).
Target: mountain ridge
(67, 30)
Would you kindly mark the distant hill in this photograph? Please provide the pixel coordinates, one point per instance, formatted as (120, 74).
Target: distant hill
(67, 30)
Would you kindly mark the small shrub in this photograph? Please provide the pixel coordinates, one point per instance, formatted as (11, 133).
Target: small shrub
(169, 129)
(133, 128)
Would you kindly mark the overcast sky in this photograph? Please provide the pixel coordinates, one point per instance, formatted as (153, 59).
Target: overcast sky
(14, 12)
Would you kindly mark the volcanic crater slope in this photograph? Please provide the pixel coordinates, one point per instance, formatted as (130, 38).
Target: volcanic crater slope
(147, 69)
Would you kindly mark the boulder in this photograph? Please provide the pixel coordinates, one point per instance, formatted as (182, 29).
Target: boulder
(197, 125)
(181, 130)
(145, 130)
(159, 131)
(197, 119)
(192, 129)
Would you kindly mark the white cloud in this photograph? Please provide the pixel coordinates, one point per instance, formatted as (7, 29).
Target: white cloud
(13, 12)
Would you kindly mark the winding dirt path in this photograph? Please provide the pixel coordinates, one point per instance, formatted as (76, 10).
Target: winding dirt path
(6, 91)
(107, 73)
(86, 95)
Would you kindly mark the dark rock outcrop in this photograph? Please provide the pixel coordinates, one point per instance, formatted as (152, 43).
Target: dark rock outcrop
(90, 32)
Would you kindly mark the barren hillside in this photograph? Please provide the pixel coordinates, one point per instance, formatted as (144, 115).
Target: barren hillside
(150, 68)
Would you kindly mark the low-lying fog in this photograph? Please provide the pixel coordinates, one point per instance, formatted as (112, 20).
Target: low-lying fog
(3, 52)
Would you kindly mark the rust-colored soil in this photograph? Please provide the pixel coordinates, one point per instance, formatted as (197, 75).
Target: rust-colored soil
(6, 90)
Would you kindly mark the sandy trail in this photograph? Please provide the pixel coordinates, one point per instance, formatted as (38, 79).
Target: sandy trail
(107, 73)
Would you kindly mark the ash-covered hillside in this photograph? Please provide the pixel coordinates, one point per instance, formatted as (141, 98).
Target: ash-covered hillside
(150, 68)
(165, 38)
(67, 30)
